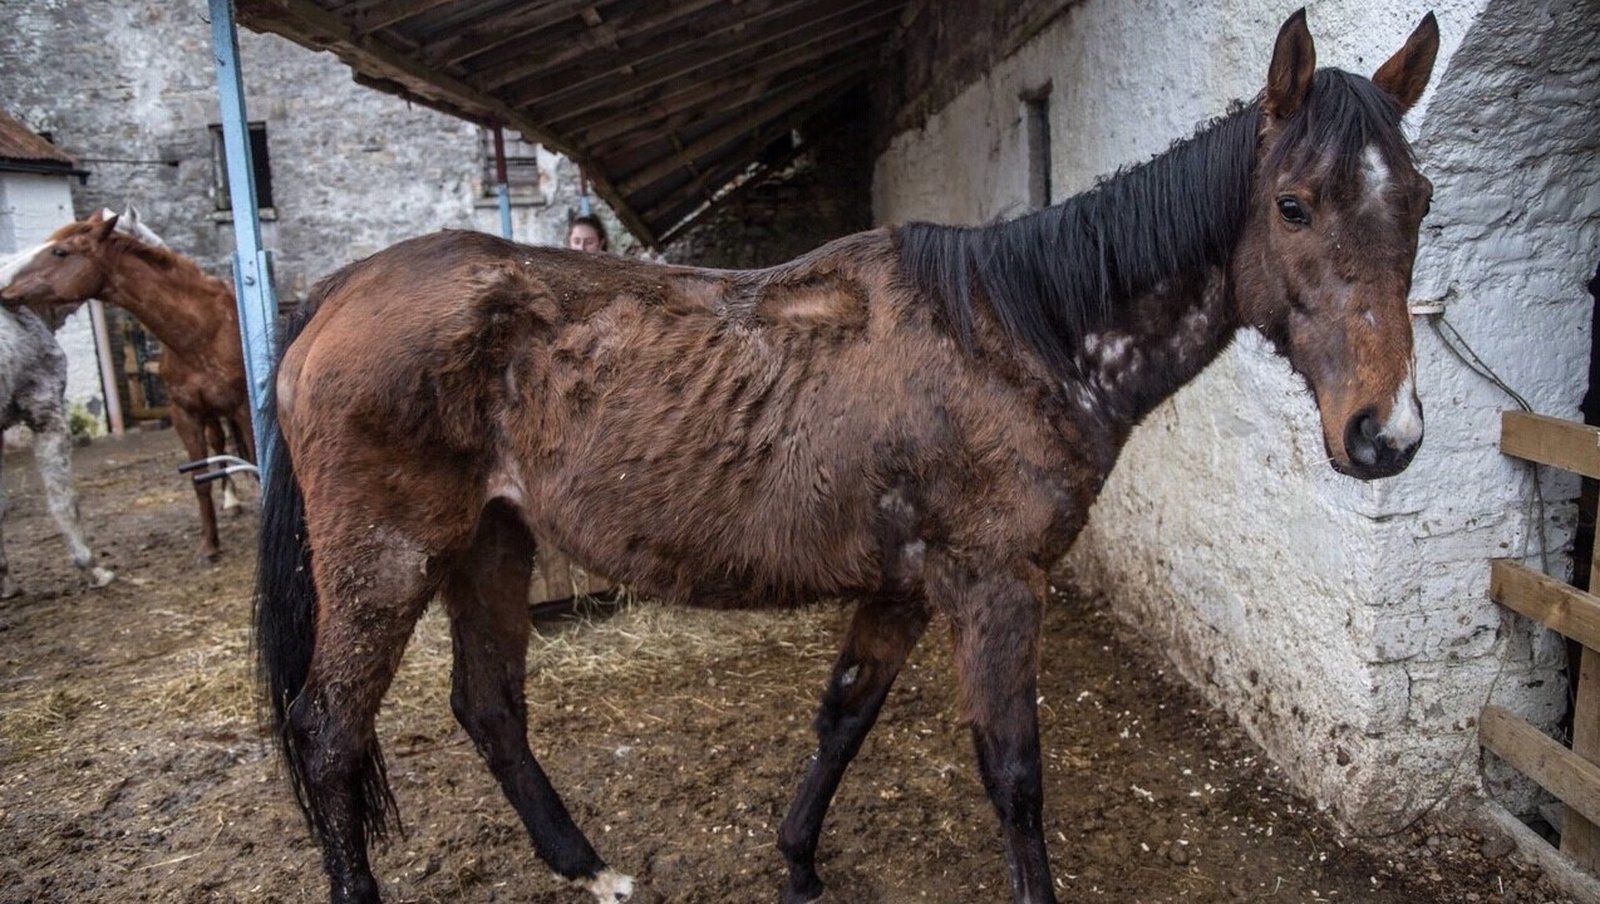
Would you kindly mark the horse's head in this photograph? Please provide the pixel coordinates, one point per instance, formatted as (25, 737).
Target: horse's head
(1324, 264)
(67, 269)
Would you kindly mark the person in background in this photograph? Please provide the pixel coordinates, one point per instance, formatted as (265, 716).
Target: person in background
(587, 233)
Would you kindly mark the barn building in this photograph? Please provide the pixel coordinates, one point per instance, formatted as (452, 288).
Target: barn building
(1346, 625)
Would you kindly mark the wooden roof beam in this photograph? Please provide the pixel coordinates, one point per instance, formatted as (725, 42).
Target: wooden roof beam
(741, 45)
(678, 61)
(717, 203)
(719, 174)
(518, 24)
(380, 14)
(605, 35)
(803, 91)
(716, 93)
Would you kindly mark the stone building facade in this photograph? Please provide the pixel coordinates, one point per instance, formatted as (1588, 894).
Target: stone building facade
(1346, 625)
(130, 90)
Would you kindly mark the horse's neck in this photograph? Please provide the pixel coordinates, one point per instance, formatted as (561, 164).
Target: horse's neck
(180, 305)
(1168, 336)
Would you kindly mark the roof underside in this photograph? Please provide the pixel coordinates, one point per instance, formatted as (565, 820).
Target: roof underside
(670, 105)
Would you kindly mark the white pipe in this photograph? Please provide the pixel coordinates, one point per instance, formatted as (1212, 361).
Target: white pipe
(108, 373)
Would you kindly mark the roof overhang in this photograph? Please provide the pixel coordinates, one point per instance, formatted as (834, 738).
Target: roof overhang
(669, 105)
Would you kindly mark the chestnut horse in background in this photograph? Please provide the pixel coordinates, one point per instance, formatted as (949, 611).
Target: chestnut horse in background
(917, 418)
(193, 315)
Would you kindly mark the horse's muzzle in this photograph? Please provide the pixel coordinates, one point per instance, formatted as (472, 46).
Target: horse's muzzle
(1372, 452)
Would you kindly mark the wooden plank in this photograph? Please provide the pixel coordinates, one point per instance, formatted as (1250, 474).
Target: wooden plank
(1551, 441)
(1580, 837)
(1555, 604)
(1558, 770)
(385, 13)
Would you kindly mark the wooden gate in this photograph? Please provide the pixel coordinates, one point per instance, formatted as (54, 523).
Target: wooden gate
(1571, 774)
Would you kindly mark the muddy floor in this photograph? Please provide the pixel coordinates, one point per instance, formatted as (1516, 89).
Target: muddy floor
(132, 769)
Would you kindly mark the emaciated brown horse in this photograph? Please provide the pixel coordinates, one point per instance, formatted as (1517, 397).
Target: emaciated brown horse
(916, 418)
(193, 315)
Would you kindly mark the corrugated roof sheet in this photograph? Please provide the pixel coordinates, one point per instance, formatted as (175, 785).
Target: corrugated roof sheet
(19, 144)
(669, 104)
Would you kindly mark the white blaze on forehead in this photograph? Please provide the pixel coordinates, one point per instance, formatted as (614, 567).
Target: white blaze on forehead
(10, 266)
(1403, 429)
(1374, 172)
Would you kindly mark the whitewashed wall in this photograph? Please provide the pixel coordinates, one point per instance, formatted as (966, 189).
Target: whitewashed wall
(31, 207)
(1344, 624)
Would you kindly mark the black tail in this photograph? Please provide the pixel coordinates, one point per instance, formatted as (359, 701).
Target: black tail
(286, 611)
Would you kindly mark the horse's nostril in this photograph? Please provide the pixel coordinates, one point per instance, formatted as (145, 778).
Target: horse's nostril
(1370, 428)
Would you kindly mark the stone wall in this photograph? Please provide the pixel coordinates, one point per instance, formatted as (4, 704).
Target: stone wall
(1344, 624)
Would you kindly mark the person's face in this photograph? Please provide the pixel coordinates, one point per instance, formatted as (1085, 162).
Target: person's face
(583, 238)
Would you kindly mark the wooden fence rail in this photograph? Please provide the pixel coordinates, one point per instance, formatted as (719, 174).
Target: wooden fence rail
(1573, 775)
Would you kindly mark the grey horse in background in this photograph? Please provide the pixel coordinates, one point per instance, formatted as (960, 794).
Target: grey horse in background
(33, 386)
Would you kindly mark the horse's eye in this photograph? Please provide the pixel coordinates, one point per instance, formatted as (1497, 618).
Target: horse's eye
(1292, 211)
(59, 252)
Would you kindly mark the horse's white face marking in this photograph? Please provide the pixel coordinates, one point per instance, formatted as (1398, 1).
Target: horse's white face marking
(609, 887)
(1374, 173)
(9, 267)
(1403, 429)
(850, 675)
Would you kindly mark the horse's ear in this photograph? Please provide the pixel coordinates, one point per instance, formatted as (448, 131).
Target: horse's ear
(1294, 62)
(106, 226)
(1406, 74)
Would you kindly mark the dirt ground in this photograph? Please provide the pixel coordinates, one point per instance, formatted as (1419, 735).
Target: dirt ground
(132, 769)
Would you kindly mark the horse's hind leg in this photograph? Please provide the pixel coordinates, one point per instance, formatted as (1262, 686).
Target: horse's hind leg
(52, 454)
(997, 661)
(192, 433)
(217, 441)
(8, 584)
(372, 585)
(882, 634)
(487, 597)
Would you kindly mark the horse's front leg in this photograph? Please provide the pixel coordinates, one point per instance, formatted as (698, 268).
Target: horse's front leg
(882, 635)
(997, 621)
(192, 433)
(52, 453)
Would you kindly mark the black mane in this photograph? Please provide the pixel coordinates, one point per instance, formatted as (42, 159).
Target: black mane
(1056, 275)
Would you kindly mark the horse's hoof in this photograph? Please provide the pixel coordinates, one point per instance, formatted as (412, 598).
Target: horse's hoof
(808, 893)
(99, 577)
(610, 887)
(9, 587)
(207, 556)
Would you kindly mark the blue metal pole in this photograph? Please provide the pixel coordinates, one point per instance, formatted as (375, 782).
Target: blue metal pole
(501, 187)
(252, 265)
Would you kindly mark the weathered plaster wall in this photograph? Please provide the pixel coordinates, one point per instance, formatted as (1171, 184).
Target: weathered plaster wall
(1344, 624)
(131, 89)
(32, 205)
